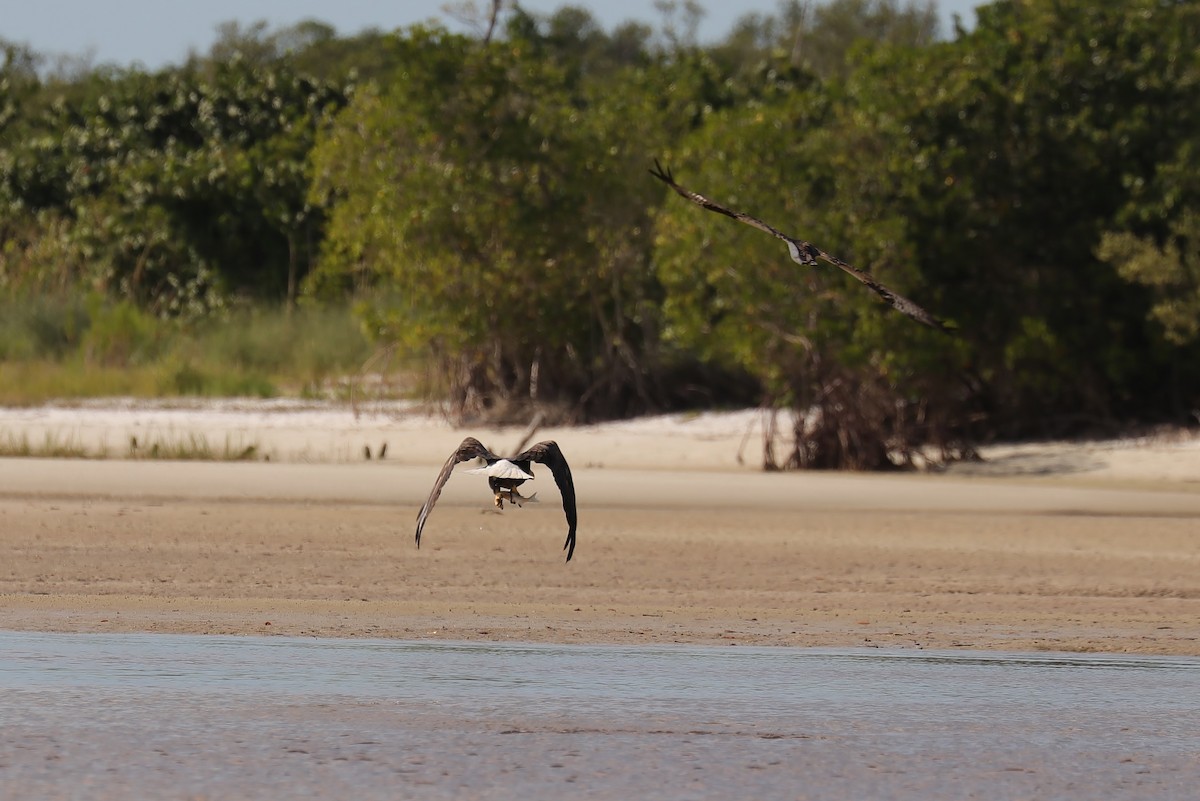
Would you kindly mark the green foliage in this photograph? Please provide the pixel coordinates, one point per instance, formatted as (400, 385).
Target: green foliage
(120, 333)
(36, 327)
(35, 381)
(869, 387)
(18, 81)
(308, 345)
(484, 206)
(69, 348)
(487, 190)
(1172, 270)
(214, 380)
(824, 38)
(1014, 148)
(173, 190)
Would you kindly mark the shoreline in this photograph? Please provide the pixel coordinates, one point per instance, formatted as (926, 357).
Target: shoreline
(291, 430)
(1047, 547)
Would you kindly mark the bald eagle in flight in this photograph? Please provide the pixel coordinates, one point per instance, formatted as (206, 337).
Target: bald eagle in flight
(505, 475)
(806, 253)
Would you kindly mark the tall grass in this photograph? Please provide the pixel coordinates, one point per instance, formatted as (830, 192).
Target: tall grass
(193, 447)
(71, 348)
(51, 446)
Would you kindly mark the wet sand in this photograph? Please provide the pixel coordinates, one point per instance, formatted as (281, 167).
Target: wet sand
(1062, 548)
(208, 717)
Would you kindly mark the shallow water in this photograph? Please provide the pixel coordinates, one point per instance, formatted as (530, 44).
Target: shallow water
(171, 716)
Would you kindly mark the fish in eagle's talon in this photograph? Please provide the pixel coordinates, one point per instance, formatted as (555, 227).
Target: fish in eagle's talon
(515, 498)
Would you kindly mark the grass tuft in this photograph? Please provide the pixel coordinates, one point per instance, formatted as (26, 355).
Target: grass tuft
(193, 447)
(51, 447)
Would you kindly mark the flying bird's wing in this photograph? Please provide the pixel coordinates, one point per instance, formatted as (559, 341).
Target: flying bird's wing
(700, 200)
(805, 253)
(548, 454)
(470, 448)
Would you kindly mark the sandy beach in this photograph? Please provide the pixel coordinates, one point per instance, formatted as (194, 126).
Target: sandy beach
(1047, 546)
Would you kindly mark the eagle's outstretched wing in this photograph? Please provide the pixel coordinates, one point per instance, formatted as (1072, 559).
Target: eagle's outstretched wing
(547, 453)
(805, 253)
(470, 448)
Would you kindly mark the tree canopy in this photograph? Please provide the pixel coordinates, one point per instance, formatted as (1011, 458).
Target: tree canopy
(484, 199)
